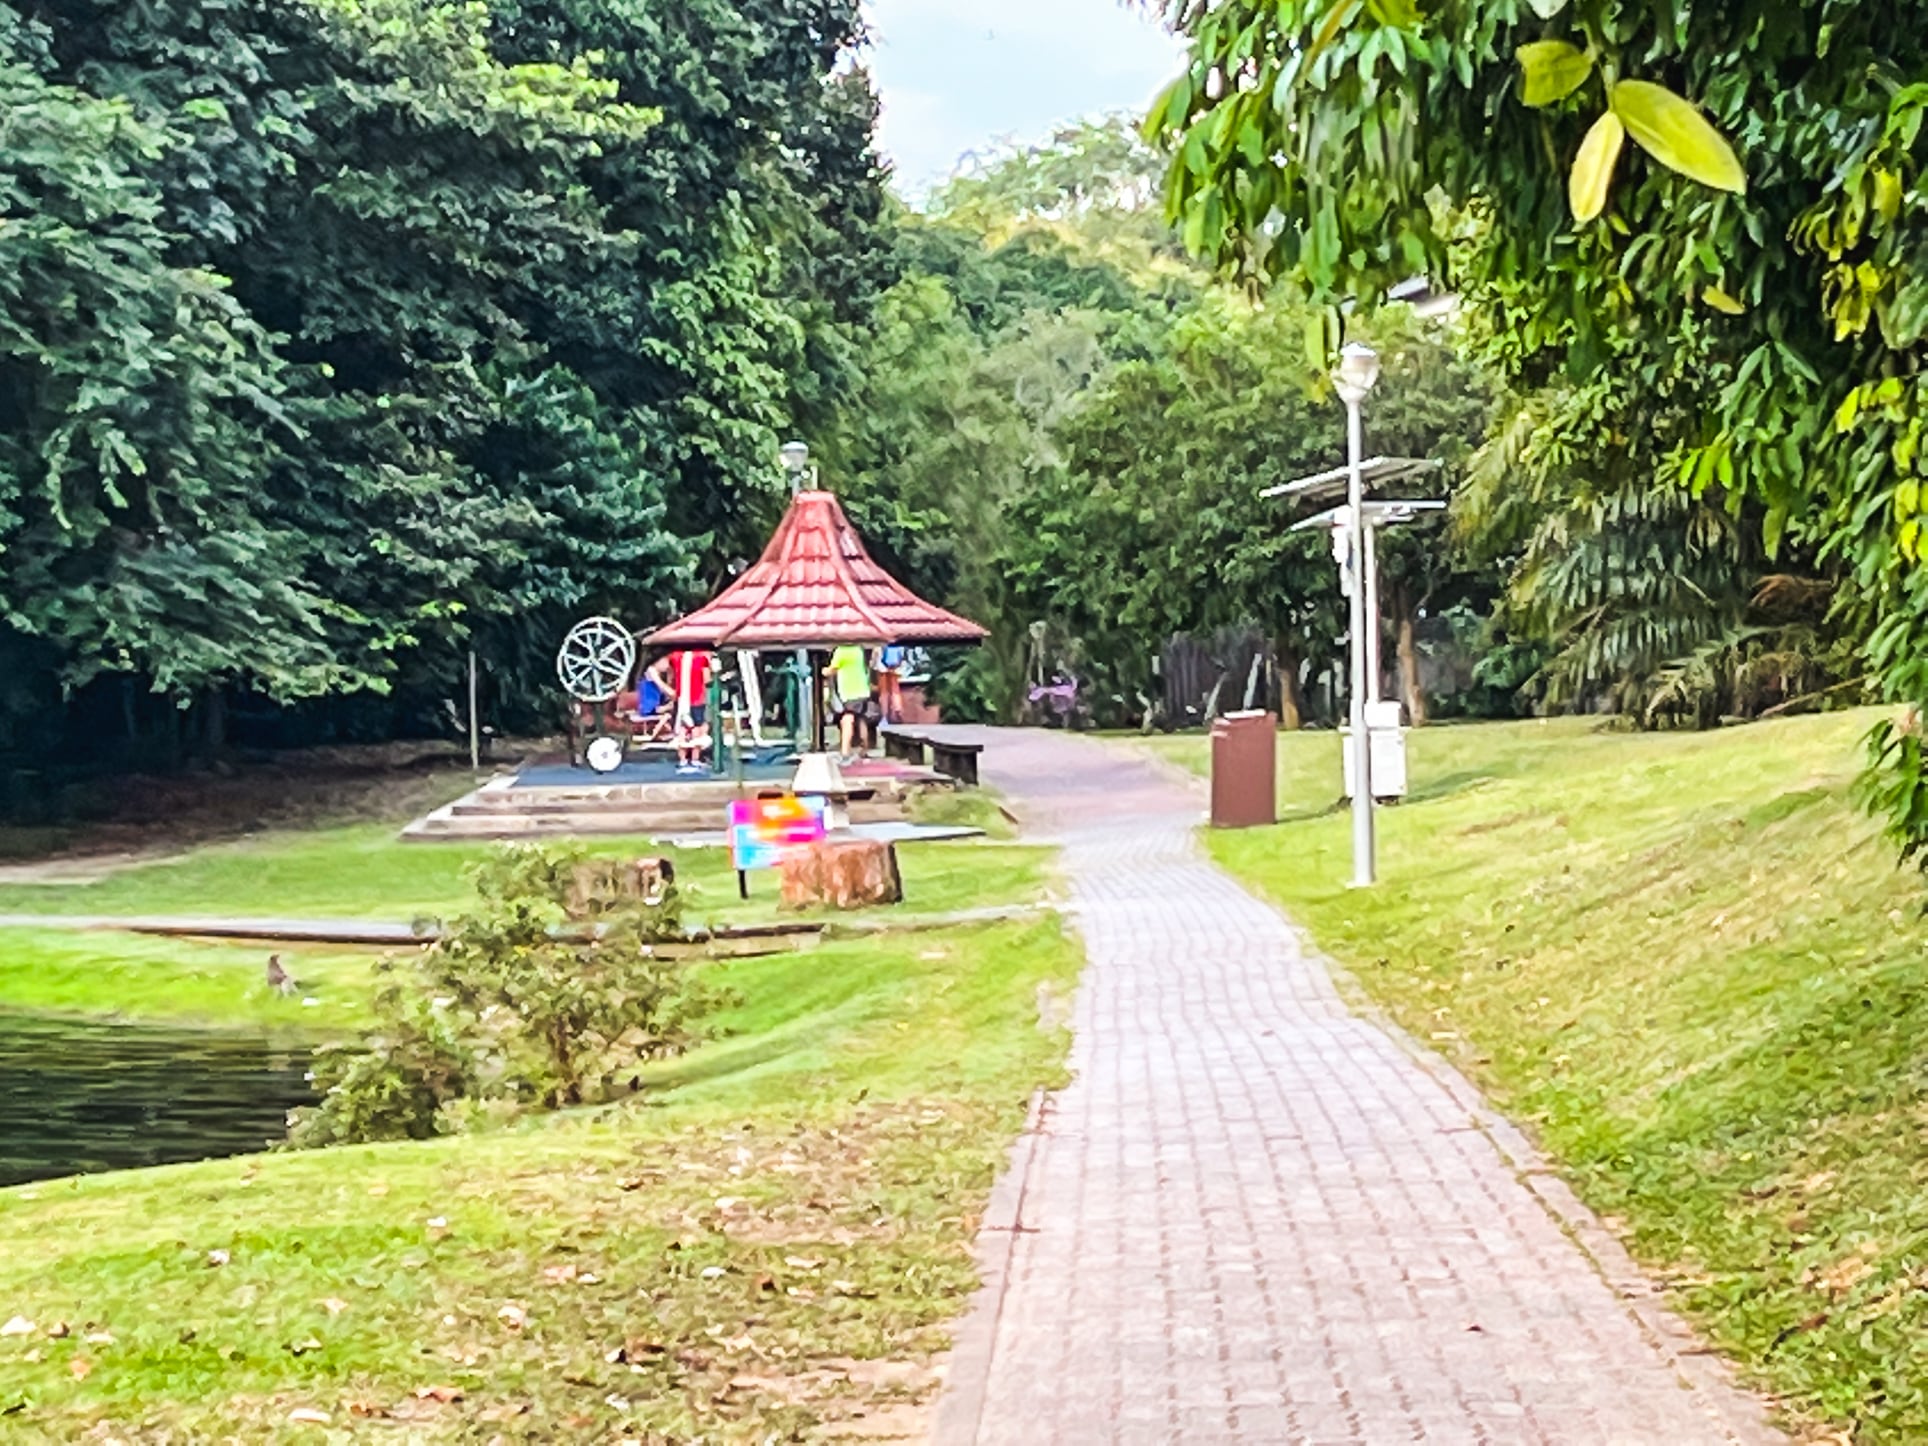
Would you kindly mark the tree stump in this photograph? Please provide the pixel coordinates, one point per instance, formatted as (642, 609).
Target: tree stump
(843, 873)
(601, 886)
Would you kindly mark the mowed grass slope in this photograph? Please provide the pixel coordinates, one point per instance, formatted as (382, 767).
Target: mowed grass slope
(1691, 966)
(768, 1243)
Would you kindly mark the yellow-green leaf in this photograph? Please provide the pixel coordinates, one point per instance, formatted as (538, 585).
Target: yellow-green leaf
(1887, 193)
(1592, 173)
(1675, 133)
(1335, 21)
(1403, 13)
(1552, 69)
(1721, 301)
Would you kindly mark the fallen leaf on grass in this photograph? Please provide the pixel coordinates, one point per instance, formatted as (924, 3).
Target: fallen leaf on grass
(59, 1330)
(100, 1338)
(80, 1368)
(635, 1351)
(559, 1274)
(444, 1394)
(514, 1316)
(301, 1348)
(334, 1305)
(217, 1258)
(18, 1326)
(308, 1416)
(367, 1410)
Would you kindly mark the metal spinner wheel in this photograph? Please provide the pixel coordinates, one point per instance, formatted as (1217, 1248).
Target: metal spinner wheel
(597, 660)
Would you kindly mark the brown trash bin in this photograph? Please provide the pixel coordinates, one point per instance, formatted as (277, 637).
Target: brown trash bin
(1245, 770)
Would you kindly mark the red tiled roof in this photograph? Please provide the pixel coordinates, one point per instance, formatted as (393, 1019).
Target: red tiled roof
(816, 586)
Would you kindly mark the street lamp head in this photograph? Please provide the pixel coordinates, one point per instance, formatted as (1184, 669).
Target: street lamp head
(1357, 372)
(796, 456)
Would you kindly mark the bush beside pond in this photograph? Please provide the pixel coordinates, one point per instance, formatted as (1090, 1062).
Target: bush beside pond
(549, 992)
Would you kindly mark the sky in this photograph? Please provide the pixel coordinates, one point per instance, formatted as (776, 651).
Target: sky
(959, 75)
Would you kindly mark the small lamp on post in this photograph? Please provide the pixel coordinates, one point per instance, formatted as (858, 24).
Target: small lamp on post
(1354, 378)
(796, 461)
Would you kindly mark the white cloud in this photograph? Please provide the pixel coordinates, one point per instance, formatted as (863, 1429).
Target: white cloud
(958, 75)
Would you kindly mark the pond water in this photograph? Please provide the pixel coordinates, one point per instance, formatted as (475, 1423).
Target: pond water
(80, 1096)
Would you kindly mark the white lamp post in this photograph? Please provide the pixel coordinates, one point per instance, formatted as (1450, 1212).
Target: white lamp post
(1354, 378)
(796, 461)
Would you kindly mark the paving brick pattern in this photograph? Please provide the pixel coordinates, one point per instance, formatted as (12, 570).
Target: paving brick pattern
(1258, 1217)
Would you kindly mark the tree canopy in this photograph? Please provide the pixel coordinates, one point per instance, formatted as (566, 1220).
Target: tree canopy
(342, 335)
(1686, 235)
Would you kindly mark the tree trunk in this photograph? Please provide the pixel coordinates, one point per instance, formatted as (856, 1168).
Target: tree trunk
(1291, 710)
(1410, 691)
(214, 723)
(841, 872)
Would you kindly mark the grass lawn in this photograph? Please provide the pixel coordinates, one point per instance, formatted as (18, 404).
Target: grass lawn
(134, 976)
(1689, 964)
(769, 1243)
(362, 871)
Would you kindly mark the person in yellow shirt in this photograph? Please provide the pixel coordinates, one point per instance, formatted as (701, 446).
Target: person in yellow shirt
(850, 678)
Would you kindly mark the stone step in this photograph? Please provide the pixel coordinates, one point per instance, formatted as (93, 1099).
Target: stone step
(455, 822)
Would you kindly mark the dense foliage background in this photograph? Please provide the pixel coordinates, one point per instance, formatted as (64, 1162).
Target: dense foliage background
(339, 337)
(1687, 239)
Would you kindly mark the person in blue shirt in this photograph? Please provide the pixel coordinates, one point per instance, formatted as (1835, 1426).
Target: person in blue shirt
(890, 678)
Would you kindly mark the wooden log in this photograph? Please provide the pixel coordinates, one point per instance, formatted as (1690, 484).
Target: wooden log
(600, 886)
(841, 873)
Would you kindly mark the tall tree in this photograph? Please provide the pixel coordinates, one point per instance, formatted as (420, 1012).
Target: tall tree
(516, 301)
(1714, 206)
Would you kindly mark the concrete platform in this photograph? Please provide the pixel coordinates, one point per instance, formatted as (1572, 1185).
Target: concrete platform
(648, 798)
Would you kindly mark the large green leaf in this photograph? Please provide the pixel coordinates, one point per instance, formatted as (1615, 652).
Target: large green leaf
(1592, 172)
(1675, 133)
(1552, 70)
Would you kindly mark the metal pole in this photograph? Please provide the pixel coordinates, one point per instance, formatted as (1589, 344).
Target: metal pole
(475, 723)
(1372, 615)
(807, 724)
(1363, 869)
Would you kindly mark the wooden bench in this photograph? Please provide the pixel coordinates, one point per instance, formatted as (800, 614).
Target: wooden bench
(956, 760)
(905, 747)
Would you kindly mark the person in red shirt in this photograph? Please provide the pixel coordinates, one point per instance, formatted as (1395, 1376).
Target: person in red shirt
(689, 678)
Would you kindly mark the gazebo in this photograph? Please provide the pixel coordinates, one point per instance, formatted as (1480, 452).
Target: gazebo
(816, 587)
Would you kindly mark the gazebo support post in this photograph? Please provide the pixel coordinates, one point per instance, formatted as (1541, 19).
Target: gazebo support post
(819, 705)
(713, 702)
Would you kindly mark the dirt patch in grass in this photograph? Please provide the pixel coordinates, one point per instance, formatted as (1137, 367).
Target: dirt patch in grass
(135, 818)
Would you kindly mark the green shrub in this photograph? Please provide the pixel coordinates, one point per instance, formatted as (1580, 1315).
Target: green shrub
(549, 993)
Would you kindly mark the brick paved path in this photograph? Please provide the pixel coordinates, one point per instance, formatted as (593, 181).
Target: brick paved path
(1257, 1217)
